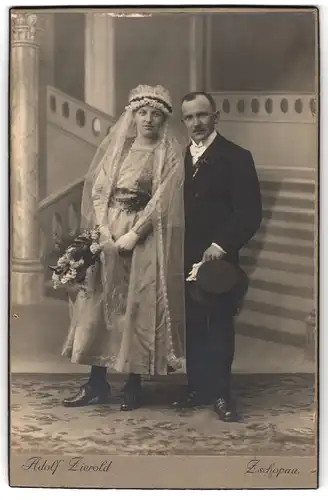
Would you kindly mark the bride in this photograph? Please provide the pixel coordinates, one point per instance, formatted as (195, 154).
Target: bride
(130, 318)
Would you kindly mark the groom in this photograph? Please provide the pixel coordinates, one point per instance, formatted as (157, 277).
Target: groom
(222, 212)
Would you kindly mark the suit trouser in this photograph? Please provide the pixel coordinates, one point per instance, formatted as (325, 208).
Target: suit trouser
(210, 346)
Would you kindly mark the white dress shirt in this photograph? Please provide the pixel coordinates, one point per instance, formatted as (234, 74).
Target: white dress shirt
(196, 151)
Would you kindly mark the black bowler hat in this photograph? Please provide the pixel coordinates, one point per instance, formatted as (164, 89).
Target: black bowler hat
(216, 280)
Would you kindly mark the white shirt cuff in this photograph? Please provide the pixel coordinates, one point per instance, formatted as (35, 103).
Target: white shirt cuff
(218, 246)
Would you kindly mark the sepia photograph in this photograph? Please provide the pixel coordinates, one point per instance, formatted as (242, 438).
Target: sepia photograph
(164, 181)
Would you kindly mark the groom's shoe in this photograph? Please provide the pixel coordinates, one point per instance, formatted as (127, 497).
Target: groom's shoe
(225, 410)
(191, 400)
(88, 395)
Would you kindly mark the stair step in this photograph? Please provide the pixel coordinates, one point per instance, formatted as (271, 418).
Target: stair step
(283, 277)
(302, 230)
(278, 257)
(251, 261)
(284, 240)
(270, 227)
(278, 299)
(282, 247)
(288, 210)
(283, 193)
(284, 289)
(269, 334)
(289, 184)
(274, 310)
(289, 213)
(304, 226)
(306, 173)
(275, 199)
(277, 323)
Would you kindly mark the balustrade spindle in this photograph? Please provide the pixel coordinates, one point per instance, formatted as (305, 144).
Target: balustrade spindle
(57, 229)
(73, 221)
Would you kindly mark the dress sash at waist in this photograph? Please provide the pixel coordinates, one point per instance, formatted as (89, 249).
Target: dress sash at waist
(129, 200)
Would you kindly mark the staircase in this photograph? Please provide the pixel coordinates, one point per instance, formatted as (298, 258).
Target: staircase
(280, 263)
(279, 259)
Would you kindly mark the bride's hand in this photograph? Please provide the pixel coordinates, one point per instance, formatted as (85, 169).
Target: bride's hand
(127, 242)
(105, 236)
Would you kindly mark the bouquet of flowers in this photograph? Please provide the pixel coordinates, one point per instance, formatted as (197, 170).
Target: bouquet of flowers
(72, 266)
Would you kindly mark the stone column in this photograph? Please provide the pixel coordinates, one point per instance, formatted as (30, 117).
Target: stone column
(46, 77)
(197, 59)
(100, 62)
(27, 271)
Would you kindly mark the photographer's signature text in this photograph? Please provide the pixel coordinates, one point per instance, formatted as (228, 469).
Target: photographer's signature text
(74, 464)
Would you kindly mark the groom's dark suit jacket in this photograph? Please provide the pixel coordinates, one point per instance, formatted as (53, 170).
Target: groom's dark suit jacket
(222, 200)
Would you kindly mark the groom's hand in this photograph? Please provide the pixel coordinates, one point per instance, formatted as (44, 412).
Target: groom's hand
(213, 252)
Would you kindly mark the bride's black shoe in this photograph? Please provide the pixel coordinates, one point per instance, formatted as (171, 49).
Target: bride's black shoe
(88, 395)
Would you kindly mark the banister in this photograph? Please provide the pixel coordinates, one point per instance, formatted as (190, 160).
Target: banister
(265, 93)
(66, 97)
(269, 107)
(53, 198)
(59, 218)
(76, 117)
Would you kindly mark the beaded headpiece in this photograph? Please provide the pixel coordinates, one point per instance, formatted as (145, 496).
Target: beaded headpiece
(157, 97)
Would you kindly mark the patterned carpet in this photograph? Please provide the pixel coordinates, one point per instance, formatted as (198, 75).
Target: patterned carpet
(277, 418)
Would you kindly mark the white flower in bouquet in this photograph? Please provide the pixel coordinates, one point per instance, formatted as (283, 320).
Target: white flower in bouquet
(94, 235)
(55, 280)
(85, 234)
(72, 273)
(94, 248)
(62, 260)
(76, 263)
